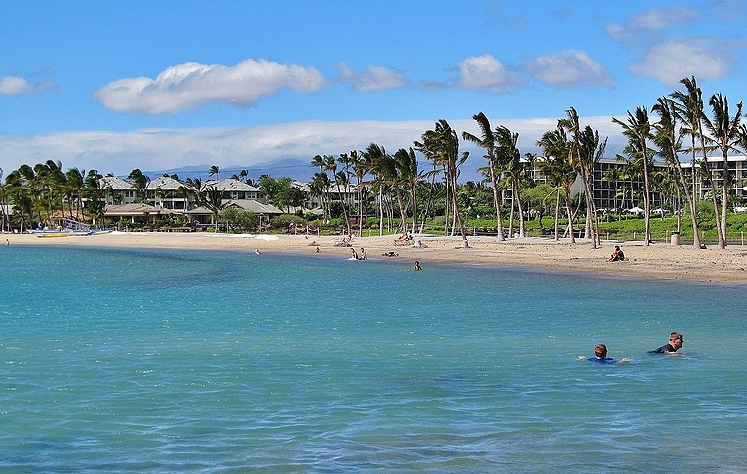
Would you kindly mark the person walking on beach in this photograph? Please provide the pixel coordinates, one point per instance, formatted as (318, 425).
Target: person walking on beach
(675, 343)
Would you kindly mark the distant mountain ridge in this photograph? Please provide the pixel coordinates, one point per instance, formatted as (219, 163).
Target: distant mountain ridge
(284, 167)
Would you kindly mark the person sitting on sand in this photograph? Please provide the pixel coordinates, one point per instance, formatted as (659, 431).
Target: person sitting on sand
(403, 238)
(363, 254)
(257, 251)
(617, 255)
(600, 355)
(355, 255)
(317, 250)
(416, 266)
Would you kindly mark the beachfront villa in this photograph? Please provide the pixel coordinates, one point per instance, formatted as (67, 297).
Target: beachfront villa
(166, 196)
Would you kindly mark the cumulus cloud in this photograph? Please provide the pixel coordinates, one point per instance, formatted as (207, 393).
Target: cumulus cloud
(642, 25)
(15, 86)
(485, 73)
(569, 69)
(373, 78)
(670, 61)
(191, 85)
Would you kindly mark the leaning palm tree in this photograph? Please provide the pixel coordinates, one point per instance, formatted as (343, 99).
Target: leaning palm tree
(488, 142)
(214, 171)
(638, 131)
(688, 108)
(725, 133)
(572, 126)
(558, 169)
(667, 139)
(442, 146)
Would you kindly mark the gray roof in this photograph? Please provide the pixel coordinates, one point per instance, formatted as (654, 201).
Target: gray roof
(230, 185)
(114, 182)
(165, 183)
(135, 208)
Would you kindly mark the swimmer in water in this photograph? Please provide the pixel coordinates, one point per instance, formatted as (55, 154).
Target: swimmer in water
(600, 356)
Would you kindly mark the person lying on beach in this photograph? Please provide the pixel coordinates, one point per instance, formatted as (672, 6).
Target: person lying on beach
(600, 355)
(403, 238)
(675, 342)
(617, 255)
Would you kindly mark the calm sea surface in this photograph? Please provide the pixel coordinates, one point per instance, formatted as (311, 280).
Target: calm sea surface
(132, 360)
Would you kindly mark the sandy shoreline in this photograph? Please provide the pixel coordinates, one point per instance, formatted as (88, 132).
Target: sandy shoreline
(657, 260)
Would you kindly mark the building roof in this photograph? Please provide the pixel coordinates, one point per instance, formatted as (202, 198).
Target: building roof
(230, 185)
(136, 208)
(165, 183)
(115, 183)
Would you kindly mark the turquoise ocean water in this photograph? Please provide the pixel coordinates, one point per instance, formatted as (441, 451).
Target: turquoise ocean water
(132, 360)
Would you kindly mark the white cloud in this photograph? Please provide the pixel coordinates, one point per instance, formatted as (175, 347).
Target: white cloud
(191, 85)
(15, 86)
(485, 73)
(670, 61)
(641, 26)
(163, 149)
(373, 78)
(569, 69)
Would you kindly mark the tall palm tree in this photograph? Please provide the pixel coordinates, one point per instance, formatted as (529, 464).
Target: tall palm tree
(667, 138)
(724, 130)
(383, 168)
(638, 131)
(509, 155)
(559, 171)
(488, 142)
(688, 108)
(590, 151)
(442, 146)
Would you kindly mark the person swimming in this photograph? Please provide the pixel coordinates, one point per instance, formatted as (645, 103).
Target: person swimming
(600, 356)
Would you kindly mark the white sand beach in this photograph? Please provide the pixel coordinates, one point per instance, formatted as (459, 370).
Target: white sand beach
(660, 260)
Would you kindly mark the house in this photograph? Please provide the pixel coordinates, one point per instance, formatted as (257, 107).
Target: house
(118, 191)
(136, 213)
(168, 193)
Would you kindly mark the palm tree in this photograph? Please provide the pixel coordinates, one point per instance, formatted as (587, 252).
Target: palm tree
(558, 168)
(442, 146)
(214, 171)
(590, 151)
(381, 165)
(488, 141)
(212, 199)
(140, 181)
(725, 133)
(667, 138)
(688, 108)
(638, 130)
(359, 170)
(580, 161)
(508, 154)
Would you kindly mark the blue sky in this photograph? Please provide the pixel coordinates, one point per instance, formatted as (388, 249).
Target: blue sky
(157, 85)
